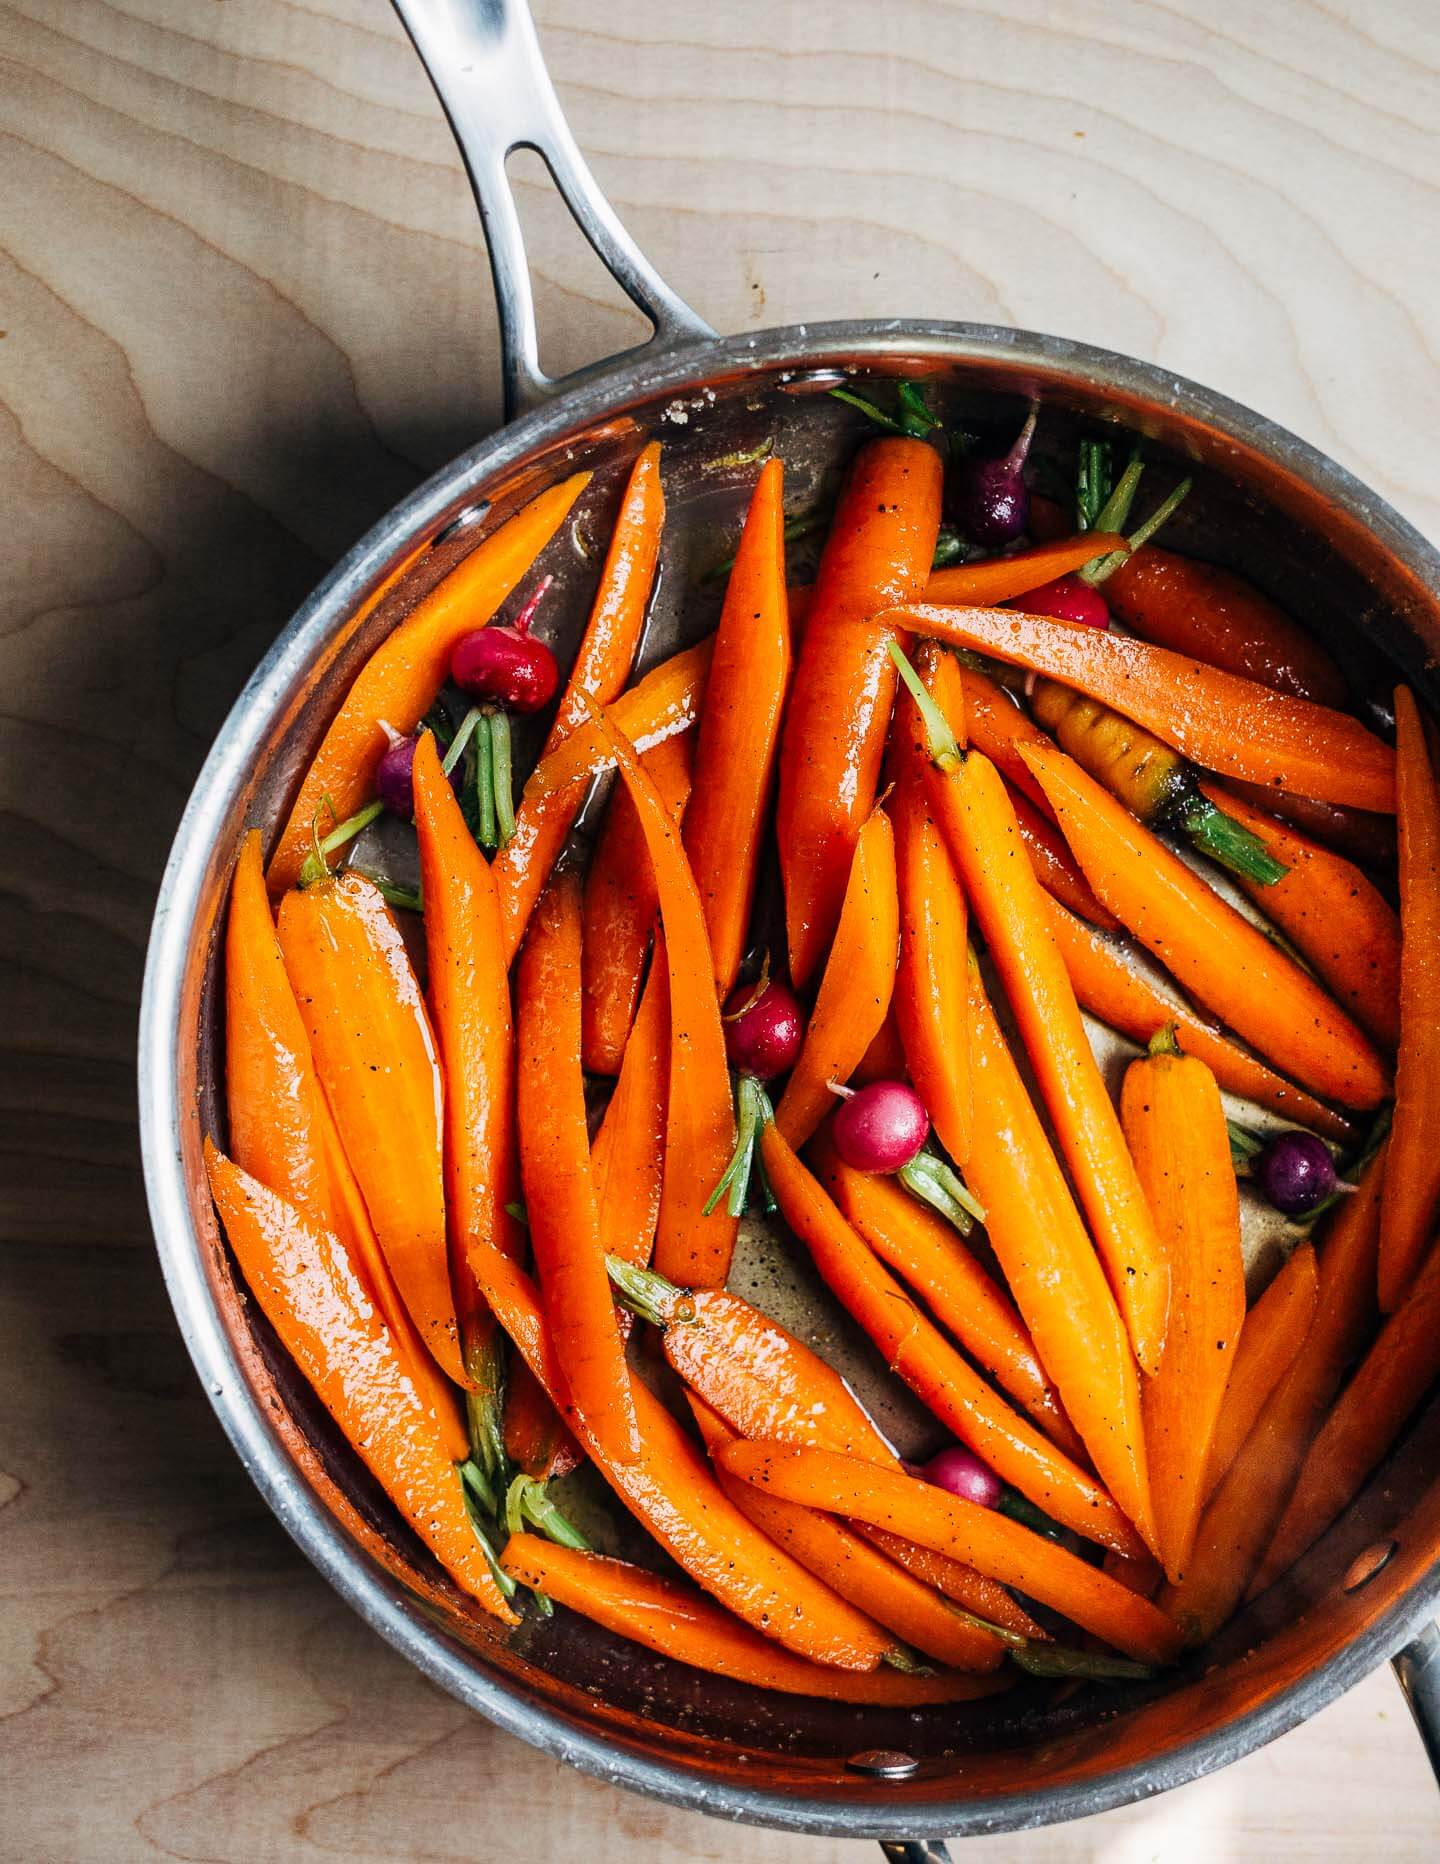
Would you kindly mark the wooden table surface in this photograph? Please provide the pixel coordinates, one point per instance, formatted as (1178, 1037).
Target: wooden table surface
(243, 308)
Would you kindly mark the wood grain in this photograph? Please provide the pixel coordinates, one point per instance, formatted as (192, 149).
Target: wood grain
(244, 308)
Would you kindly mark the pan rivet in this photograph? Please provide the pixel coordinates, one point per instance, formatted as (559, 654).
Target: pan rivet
(462, 521)
(1365, 1566)
(883, 1763)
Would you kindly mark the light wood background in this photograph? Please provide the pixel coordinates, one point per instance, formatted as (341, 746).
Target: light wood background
(243, 307)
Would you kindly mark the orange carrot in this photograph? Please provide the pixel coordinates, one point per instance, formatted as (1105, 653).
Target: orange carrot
(1358, 833)
(1334, 914)
(691, 1248)
(925, 1252)
(1109, 986)
(665, 701)
(309, 1292)
(980, 1537)
(403, 675)
(1412, 1184)
(602, 666)
(885, 1059)
(996, 725)
(740, 728)
(1001, 579)
(1273, 1334)
(918, 1353)
(1170, 1108)
(1217, 955)
(1215, 718)
(376, 1058)
(1054, 1276)
(680, 1623)
(985, 1597)
(855, 989)
(628, 1156)
(878, 553)
(620, 908)
(1054, 864)
(554, 1164)
(537, 1440)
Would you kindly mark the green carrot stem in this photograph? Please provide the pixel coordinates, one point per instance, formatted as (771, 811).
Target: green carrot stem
(502, 1579)
(900, 1657)
(542, 1514)
(1211, 832)
(933, 1181)
(1166, 1040)
(1096, 571)
(1093, 478)
(406, 898)
(502, 781)
(478, 1489)
(950, 547)
(315, 867)
(1115, 512)
(644, 1292)
(1096, 1666)
(485, 1408)
(462, 737)
(518, 1211)
(736, 1177)
(485, 830)
(944, 751)
(1245, 1147)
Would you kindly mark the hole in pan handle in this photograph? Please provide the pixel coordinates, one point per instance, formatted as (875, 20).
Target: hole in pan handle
(484, 60)
(1417, 1670)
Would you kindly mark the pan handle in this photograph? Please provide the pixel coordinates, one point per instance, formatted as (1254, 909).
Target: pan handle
(484, 60)
(1417, 1670)
(915, 1850)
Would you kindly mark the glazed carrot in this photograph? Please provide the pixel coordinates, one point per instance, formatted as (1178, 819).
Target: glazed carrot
(980, 1537)
(878, 553)
(403, 675)
(665, 701)
(470, 1003)
(537, 1440)
(678, 1622)
(1358, 833)
(996, 725)
(601, 669)
(1001, 579)
(979, 823)
(1215, 954)
(628, 1157)
(885, 1058)
(1170, 1109)
(856, 987)
(555, 1168)
(1412, 1184)
(1051, 1267)
(1273, 1334)
(620, 908)
(927, 1254)
(985, 1597)
(917, 1352)
(1215, 718)
(376, 1058)
(1144, 1574)
(1221, 618)
(1112, 989)
(1054, 864)
(308, 1290)
(690, 1248)
(1333, 913)
(740, 728)
(929, 1000)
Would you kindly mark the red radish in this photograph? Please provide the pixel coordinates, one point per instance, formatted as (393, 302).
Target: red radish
(960, 1472)
(394, 775)
(1296, 1172)
(508, 665)
(882, 1127)
(989, 501)
(1068, 598)
(764, 1030)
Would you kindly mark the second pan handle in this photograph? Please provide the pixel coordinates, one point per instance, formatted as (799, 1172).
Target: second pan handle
(484, 60)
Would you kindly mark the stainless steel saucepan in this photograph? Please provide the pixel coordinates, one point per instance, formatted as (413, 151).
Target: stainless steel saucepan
(1326, 546)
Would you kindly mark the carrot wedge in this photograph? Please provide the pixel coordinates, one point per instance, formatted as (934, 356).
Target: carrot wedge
(555, 1168)
(1274, 1331)
(403, 675)
(1217, 719)
(918, 1353)
(376, 1057)
(856, 987)
(987, 1598)
(990, 1542)
(678, 1622)
(1216, 955)
(1001, 579)
(1170, 1108)
(601, 669)
(666, 700)
(1052, 1270)
(691, 1248)
(878, 553)
(628, 1156)
(309, 1291)
(1412, 1183)
(739, 732)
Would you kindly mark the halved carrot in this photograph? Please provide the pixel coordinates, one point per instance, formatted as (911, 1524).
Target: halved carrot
(627, 1159)
(601, 669)
(926, 1253)
(856, 987)
(1217, 719)
(376, 1058)
(975, 813)
(1217, 955)
(980, 1537)
(555, 1168)
(310, 1293)
(987, 1598)
(678, 1622)
(691, 1248)
(878, 553)
(1054, 864)
(1333, 912)
(666, 700)
(537, 1439)
(1001, 579)
(1273, 1334)
(1170, 1108)
(620, 906)
(917, 1352)
(739, 731)
(1109, 986)
(401, 678)
(1053, 1273)
(1412, 1183)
